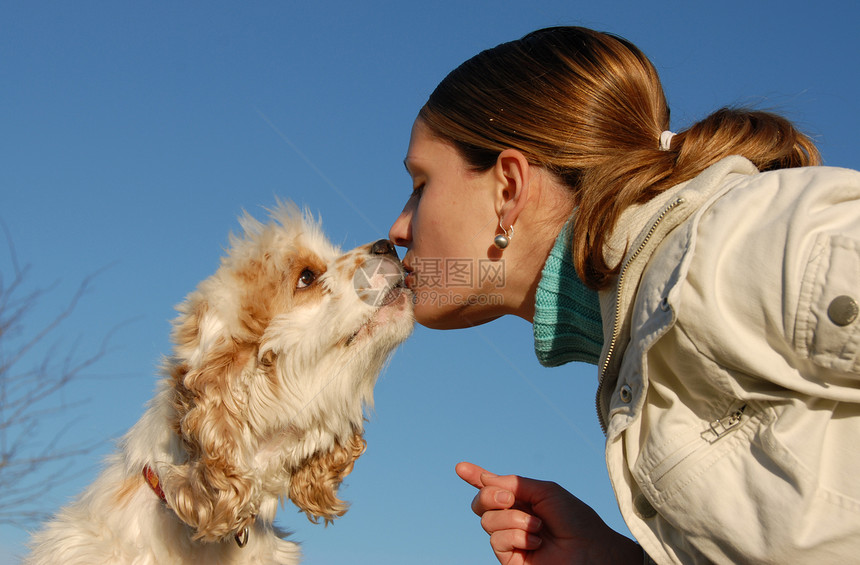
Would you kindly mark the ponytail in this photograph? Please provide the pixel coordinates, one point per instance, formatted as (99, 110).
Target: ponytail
(634, 177)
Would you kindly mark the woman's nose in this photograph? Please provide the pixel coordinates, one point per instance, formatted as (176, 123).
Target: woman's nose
(401, 230)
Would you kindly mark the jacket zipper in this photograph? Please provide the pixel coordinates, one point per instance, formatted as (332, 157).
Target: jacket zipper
(616, 327)
(719, 428)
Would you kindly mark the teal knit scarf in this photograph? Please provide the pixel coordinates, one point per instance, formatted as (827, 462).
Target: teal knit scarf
(567, 324)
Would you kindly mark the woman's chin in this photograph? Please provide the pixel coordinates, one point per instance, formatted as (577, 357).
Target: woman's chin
(450, 317)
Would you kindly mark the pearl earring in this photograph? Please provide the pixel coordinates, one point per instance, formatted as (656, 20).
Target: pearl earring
(503, 240)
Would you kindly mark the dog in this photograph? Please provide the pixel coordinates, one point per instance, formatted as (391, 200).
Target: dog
(275, 359)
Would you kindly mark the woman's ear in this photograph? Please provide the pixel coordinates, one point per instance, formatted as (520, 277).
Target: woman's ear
(513, 173)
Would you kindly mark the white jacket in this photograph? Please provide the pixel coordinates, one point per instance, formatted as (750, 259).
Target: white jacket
(730, 373)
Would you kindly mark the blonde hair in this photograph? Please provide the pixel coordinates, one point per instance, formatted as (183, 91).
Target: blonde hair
(588, 107)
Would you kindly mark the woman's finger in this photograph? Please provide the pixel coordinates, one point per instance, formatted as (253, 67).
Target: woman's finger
(492, 498)
(472, 473)
(526, 491)
(499, 520)
(506, 541)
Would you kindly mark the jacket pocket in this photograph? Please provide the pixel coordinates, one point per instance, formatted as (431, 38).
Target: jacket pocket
(747, 497)
(827, 328)
(663, 473)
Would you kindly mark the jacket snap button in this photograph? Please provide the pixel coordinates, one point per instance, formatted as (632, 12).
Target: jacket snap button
(642, 507)
(626, 394)
(843, 310)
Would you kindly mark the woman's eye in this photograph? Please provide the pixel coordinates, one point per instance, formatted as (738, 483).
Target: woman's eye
(306, 279)
(417, 190)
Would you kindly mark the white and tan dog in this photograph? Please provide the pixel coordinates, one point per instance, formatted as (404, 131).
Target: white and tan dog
(276, 356)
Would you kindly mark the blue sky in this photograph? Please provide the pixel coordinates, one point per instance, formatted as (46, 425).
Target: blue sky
(133, 135)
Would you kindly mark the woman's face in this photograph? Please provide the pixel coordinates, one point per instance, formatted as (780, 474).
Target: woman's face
(447, 228)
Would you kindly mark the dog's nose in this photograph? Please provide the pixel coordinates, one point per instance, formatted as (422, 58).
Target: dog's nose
(383, 247)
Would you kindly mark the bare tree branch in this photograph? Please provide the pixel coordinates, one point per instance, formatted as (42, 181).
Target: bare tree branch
(33, 380)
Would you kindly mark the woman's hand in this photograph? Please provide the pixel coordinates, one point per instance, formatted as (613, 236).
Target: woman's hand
(539, 523)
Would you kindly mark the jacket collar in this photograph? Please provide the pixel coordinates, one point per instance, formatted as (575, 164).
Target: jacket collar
(638, 233)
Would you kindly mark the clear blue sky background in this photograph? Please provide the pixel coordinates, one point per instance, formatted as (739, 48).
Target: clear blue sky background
(133, 135)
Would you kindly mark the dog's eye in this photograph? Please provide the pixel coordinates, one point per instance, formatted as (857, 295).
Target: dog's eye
(306, 279)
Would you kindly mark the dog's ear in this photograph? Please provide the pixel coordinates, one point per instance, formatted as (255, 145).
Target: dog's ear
(313, 487)
(214, 491)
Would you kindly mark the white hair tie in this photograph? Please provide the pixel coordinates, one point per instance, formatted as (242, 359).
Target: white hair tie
(666, 140)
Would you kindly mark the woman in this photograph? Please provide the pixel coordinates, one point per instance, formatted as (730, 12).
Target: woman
(711, 275)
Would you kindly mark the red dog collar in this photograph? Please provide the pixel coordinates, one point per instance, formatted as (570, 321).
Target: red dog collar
(152, 480)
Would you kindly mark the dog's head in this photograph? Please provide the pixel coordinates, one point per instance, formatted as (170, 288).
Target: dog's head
(276, 356)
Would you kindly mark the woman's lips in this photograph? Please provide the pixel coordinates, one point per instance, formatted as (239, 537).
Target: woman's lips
(409, 277)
